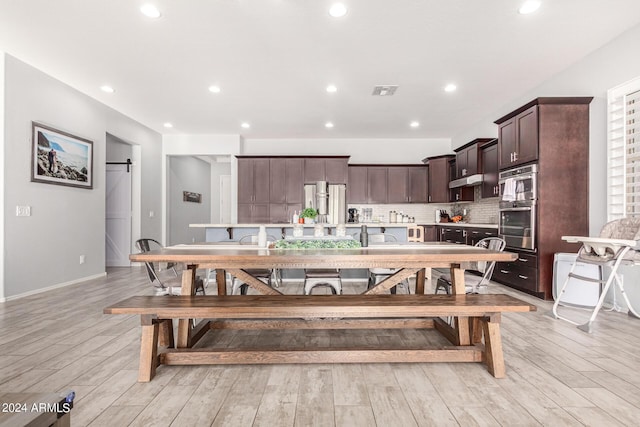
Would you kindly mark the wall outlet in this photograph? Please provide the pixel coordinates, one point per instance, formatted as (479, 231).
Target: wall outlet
(151, 214)
(81, 259)
(23, 210)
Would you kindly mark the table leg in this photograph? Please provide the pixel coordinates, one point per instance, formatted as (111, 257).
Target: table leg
(458, 288)
(188, 286)
(221, 280)
(421, 276)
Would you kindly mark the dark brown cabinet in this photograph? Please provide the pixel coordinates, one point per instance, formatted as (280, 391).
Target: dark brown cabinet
(331, 169)
(430, 233)
(439, 177)
(357, 188)
(518, 138)
(554, 132)
(377, 184)
(459, 194)
(453, 234)
(253, 180)
(489, 159)
(474, 235)
(407, 184)
(253, 190)
(367, 184)
(467, 160)
(285, 188)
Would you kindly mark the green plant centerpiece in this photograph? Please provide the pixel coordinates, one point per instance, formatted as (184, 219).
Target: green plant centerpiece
(310, 213)
(318, 244)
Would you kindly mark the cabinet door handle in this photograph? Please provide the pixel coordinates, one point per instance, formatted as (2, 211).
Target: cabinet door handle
(523, 260)
(515, 156)
(429, 198)
(523, 277)
(464, 172)
(504, 271)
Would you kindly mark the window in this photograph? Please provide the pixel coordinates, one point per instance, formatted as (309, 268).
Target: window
(623, 167)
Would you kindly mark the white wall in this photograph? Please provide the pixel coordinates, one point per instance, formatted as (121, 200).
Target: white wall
(360, 150)
(42, 251)
(187, 173)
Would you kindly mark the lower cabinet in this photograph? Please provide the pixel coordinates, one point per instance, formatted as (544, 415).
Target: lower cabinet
(474, 235)
(520, 274)
(451, 234)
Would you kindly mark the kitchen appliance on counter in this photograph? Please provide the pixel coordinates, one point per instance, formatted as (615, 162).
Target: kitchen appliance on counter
(353, 215)
(328, 199)
(518, 200)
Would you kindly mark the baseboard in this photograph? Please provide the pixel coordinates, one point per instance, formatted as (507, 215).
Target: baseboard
(50, 288)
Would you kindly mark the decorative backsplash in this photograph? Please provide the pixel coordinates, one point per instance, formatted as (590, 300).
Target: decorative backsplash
(481, 211)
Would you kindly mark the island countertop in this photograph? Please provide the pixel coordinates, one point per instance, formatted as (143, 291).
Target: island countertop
(286, 225)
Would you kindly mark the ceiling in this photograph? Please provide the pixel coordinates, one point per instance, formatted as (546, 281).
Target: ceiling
(273, 59)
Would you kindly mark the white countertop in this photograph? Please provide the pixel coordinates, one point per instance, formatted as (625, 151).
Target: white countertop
(285, 225)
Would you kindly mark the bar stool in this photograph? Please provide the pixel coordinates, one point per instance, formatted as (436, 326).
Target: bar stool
(314, 277)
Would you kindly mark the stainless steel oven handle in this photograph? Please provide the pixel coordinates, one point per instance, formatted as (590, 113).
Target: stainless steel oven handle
(527, 208)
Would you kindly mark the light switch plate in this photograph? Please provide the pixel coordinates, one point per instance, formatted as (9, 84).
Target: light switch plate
(23, 210)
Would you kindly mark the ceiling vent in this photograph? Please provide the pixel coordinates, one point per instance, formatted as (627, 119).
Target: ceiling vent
(385, 90)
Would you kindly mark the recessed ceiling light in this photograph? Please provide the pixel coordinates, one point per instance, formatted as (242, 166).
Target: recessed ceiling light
(214, 89)
(245, 125)
(332, 89)
(450, 87)
(150, 11)
(529, 6)
(328, 125)
(338, 10)
(414, 124)
(107, 88)
(168, 125)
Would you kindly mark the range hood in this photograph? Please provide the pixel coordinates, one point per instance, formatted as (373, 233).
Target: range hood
(467, 181)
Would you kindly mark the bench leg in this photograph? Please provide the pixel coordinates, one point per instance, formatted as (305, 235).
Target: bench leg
(166, 333)
(148, 349)
(493, 346)
(476, 330)
(184, 325)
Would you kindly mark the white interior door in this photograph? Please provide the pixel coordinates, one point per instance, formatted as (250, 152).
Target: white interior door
(118, 216)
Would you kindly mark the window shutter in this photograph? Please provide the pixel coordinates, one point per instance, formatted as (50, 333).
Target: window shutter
(623, 169)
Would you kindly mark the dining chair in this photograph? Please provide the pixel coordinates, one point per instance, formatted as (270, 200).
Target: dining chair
(473, 283)
(264, 274)
(166, 281)
(376, 275)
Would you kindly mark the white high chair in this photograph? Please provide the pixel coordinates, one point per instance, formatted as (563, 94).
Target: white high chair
(618, 244)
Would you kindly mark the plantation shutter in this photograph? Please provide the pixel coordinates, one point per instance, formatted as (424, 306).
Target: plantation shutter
(623, 180)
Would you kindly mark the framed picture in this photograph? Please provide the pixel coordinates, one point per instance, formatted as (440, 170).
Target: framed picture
(188, 196)
(60, 158)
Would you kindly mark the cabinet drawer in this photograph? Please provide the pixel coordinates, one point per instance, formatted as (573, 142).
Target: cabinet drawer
(516, 275)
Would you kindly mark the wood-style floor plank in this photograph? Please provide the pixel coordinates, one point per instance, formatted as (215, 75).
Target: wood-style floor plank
(555, 374)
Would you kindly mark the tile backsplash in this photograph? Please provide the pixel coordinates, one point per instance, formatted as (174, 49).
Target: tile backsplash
(480, 211)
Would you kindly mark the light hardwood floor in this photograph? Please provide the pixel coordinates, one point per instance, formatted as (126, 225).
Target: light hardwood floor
(557, 375)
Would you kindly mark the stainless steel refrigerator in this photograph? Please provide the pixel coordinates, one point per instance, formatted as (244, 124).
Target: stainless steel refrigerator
(329, 199)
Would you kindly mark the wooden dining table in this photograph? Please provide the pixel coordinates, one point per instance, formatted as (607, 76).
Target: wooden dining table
(408, 259)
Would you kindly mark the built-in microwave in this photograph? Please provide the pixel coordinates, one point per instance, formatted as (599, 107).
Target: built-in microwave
(519, 184)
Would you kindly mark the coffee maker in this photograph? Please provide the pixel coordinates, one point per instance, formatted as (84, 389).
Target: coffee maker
(353, 215)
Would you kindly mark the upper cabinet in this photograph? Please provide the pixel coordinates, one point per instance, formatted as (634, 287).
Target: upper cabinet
(334, 170)
(467, 160)
(518, 138)
(407, 184)
(458, 194)
(253, 190)
(438, 179)
(489, 159)
(387, 184)
(286, 188)
(253, 180)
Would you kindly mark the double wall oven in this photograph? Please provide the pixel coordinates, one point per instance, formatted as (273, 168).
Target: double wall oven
(518, 199)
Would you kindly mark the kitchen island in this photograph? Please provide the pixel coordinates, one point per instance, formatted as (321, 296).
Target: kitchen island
(234, 232)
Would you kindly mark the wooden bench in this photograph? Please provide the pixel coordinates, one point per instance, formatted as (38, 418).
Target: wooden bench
(477, 316)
